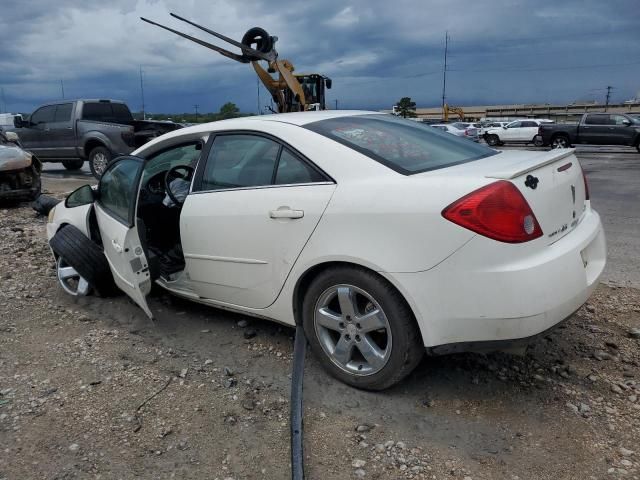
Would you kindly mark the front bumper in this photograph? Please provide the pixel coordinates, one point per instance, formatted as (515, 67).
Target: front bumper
(488, 291)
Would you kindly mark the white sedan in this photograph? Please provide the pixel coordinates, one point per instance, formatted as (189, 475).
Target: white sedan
(380, 236)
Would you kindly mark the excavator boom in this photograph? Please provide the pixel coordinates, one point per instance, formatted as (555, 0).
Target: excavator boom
(287, 90)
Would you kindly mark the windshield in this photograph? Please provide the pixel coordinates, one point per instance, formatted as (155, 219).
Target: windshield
(402, 145)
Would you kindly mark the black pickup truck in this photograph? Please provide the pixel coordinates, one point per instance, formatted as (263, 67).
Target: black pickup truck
(594, 129)
(71, 132)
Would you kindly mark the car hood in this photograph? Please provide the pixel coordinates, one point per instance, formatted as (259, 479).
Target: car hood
(14, 158)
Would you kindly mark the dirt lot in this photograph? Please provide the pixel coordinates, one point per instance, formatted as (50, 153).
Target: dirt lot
(90, 388)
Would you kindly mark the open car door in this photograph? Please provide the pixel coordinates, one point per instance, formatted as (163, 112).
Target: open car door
(115, 211)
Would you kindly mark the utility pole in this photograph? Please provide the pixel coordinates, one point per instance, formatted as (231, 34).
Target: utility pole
(62, 88)
(336, 100)
(606, 103)
(3, 106)
(196, 107)
(444, 69)
(144, 117)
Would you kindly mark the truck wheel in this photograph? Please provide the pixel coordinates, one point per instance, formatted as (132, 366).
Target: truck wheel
(81, 264)
(560, 141)
(73, 164)
(99, 158)
(537, 141)
(493, 140)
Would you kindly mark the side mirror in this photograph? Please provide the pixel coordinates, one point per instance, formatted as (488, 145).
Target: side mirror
(12, 137)
(18, 122)
(80, 196)
(626, 122)
(328, 82)
(505, 127)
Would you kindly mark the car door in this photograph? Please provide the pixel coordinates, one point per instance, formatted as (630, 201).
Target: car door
(35, 137)
(115, 213)
(594, 128)
(61, 132)
(528, 130)
(621, 131)
(254, 204)
(510, 134)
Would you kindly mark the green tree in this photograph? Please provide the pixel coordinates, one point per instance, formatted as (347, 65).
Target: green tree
(229, 110)
(406, 107)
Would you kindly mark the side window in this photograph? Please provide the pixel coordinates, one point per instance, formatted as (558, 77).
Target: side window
(63, 112)
(597, 119)
(292, 169)
(240, 161)
(118, 187)
(617, 120)
(44, 115)
(514, 125)
(529, 124)
(181, 155)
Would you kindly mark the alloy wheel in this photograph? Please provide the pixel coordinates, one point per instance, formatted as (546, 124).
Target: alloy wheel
(100, 162)
(560, 142)
(353, 330)
(70, 280)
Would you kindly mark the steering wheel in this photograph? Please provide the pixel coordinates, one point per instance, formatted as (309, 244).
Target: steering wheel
(184, 172)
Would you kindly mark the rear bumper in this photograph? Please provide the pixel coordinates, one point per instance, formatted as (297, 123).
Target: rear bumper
(488, 291)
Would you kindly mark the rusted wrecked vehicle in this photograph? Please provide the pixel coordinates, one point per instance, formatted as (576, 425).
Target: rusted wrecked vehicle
(19, 170)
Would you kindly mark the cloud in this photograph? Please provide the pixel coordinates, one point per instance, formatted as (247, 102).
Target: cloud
(377, 51)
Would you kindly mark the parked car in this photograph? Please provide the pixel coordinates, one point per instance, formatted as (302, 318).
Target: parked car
(519, 131)
(594, 129)
(470, 130)
(19, 170)
(71, 132)
(489, 125)
(380, 236)
(470, 134)
(6, 119)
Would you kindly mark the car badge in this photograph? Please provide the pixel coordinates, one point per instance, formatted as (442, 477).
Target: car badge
(531, 182)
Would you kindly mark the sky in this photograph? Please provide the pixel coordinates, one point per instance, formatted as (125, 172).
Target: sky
(376, 51)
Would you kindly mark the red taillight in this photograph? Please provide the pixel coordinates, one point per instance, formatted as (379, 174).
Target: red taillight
(586, 186)
(498, 211)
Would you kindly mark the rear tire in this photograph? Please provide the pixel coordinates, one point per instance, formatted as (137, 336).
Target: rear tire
(99, 158)
(560, 141)
(394, 334)
(493, 140)
(537, 141)
(73, 164)
(86, 257)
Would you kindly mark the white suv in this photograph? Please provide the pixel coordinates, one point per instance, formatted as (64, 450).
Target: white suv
(519, 131)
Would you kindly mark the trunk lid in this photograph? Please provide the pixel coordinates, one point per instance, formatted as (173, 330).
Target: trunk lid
(552, 184)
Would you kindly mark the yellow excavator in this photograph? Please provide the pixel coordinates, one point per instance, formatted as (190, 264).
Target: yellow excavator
(291, 92)
(446, 110)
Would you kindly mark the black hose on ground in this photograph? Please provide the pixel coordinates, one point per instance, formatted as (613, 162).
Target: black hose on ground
(297, 453)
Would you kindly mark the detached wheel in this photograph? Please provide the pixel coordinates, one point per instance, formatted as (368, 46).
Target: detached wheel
(493, 140)
(361, 328)
(99, 158)
(73, 164)
(560, 141)
(70, 280)
(81, 265)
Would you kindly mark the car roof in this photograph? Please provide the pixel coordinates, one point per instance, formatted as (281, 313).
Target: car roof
(294, 118)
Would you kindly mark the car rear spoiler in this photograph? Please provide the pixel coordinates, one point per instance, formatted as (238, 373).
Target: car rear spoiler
(532, 163)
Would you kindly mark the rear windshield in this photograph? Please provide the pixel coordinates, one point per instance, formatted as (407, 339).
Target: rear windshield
(405, 146)
(107, 112)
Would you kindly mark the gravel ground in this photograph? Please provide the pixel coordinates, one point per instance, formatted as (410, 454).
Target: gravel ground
(89, 388)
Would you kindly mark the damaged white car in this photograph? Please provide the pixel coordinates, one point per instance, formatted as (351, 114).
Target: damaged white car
(385, 238)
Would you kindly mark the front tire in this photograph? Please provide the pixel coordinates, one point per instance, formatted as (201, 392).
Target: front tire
(99, 158)
(361, 328)
(81, 264)
(560, 141)
(493, 140)
(73, 164)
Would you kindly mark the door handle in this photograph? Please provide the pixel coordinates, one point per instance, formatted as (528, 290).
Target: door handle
(116, 246)
(286, 212)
